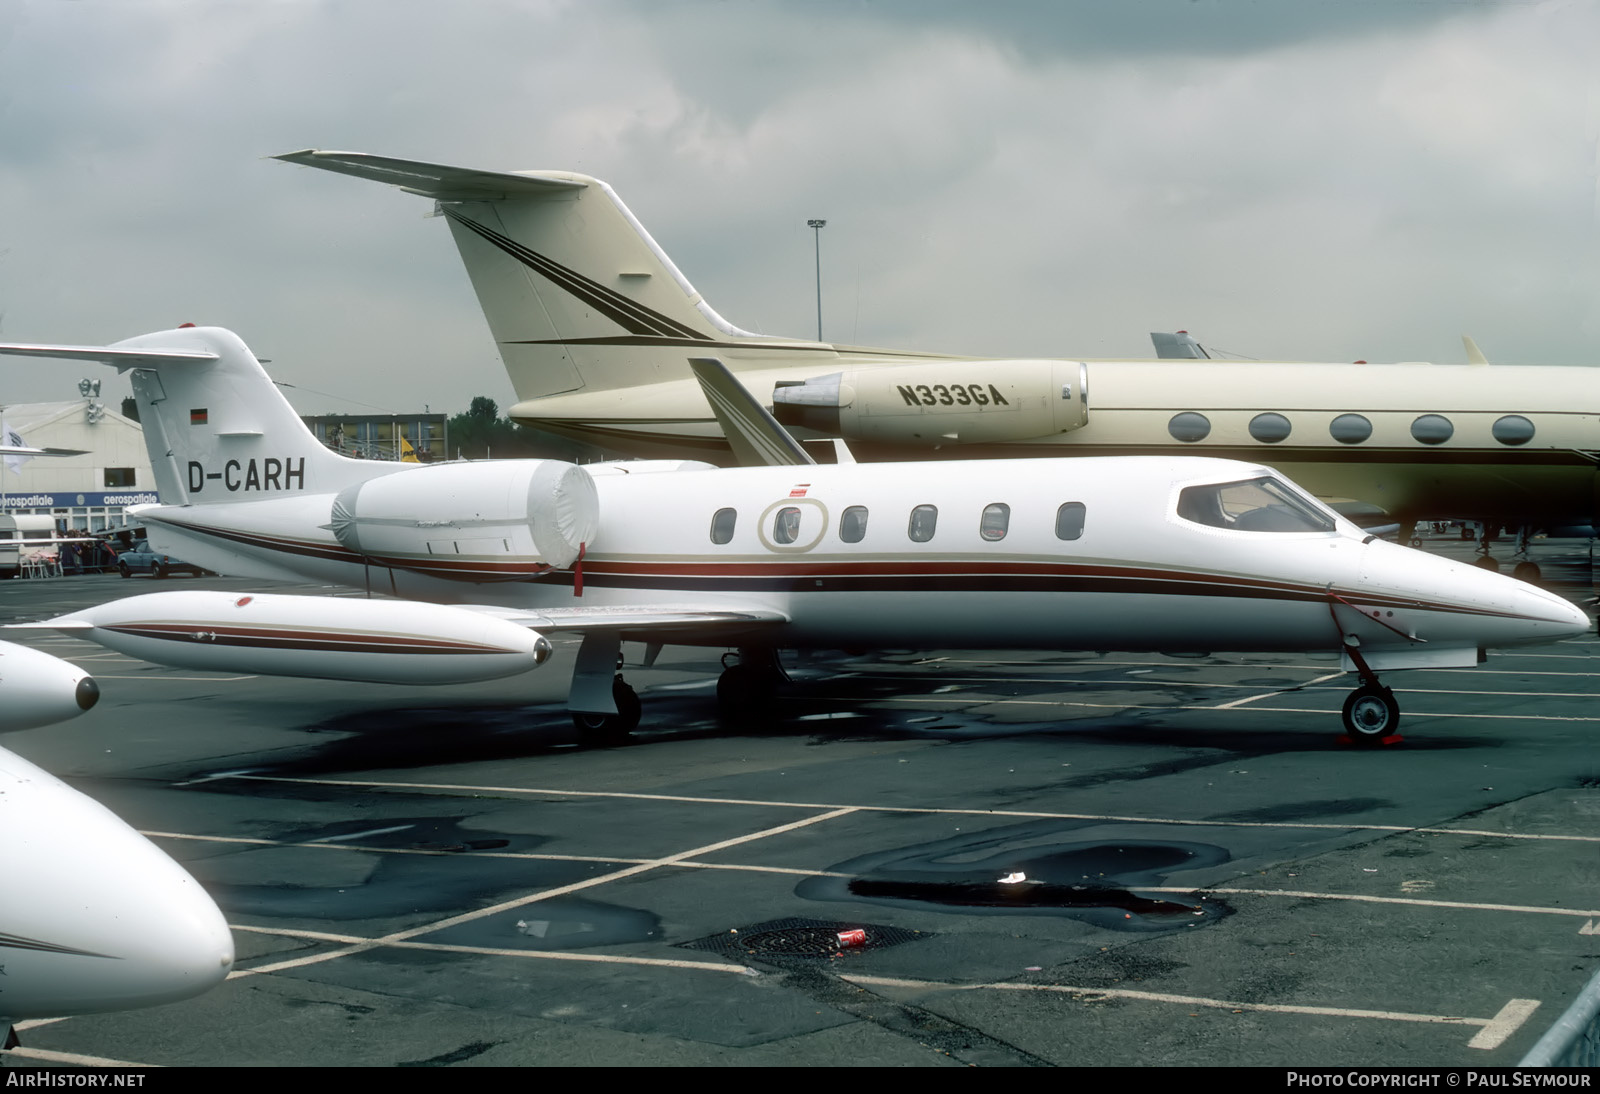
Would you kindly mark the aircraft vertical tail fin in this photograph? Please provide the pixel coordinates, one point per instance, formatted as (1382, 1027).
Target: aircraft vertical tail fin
(576, 292)
(216, 427)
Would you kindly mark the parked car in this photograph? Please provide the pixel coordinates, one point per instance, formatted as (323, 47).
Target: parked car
(142, 560)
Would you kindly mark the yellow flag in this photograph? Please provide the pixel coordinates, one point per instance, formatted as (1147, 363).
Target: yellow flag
(407, 453)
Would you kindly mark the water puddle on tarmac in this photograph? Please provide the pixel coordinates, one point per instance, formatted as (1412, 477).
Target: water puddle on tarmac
(1029, 870)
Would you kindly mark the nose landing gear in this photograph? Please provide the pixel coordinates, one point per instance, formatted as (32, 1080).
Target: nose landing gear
(1371, 714)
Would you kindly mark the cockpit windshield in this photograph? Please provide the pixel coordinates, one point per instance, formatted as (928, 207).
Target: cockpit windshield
(1254, 505)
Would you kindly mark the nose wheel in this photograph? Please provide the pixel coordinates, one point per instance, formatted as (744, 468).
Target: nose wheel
(1371, 714)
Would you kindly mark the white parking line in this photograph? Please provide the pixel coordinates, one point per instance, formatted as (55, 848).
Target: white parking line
(1269, 694)
(493, 951)
(543, 894)
(860, 808)
(791, 871)
(1493, 1032)
(51, 1057)
(1475, 906)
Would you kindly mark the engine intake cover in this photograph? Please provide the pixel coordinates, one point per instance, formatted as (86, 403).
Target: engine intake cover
(504, 520)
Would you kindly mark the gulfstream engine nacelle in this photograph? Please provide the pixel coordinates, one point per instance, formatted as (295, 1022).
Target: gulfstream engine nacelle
(945, 402)
(475, 522)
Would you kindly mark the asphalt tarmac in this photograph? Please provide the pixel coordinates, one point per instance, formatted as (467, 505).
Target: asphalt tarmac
(1196, 870)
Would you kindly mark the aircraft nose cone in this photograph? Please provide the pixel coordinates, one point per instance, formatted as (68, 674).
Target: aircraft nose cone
(88, 693)
(1564, 619)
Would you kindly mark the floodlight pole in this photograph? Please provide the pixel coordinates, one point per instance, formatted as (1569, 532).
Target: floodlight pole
(816, 227)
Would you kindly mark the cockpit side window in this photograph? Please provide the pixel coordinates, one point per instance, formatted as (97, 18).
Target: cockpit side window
(1254, 505)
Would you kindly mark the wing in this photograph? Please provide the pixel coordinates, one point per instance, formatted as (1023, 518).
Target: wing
(658, 622)
(753, 433)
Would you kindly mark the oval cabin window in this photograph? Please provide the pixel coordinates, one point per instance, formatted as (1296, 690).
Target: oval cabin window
(1432, 429)
(722, 523)
(923, 520)
(1270, 428)
(1513, 429)
(1189, 427)
(1350, 429)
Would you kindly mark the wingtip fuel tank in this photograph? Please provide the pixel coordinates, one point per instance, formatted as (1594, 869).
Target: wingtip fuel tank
(332, 638)
(93, 916)
(37, 689)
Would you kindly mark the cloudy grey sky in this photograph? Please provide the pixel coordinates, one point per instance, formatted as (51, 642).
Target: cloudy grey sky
(1305, 179)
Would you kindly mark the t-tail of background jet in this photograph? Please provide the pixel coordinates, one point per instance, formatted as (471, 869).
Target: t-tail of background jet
(216, 427)
(578, 296)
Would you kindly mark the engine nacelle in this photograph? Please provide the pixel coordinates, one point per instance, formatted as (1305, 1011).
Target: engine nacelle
(942, 402)
(478, 522)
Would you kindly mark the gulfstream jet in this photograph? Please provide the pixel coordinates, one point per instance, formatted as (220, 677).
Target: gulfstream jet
(593, 321)
(1133, 553)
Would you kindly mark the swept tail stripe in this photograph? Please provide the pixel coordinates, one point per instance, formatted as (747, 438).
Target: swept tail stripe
(624, 311)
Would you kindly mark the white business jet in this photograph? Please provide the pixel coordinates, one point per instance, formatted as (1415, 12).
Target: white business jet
(1168, 554)
(592, 318)
(93, 916)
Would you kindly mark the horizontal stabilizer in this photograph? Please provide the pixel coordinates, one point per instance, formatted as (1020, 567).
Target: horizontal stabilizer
(434, 180)
(753, 433)
(109, 355)
(25, 450)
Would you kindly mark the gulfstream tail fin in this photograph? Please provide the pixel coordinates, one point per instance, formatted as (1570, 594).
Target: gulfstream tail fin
(216, 427)
(577, 294)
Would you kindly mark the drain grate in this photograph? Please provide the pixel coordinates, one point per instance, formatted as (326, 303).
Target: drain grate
(801, 938)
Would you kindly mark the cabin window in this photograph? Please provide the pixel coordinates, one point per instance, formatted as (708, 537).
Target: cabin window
(1254, 505)
(1069, 520)
(923, 520)
(722, 522)
(1513, 429)
(118, 477)
(853, 524)
(1350, 429)
(786, 525)
(1189, 426)
(1432, 429)
(1270, 428)
(994, 522)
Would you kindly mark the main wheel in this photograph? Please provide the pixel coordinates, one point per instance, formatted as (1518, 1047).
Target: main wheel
(1371, 714)
(1527, 571)
(1487, 562)
(746, 691)
(610, 729)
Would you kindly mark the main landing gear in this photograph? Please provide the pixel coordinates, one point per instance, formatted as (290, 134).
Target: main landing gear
(748, 688)
(605, 709)
(1525, 569)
